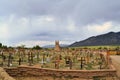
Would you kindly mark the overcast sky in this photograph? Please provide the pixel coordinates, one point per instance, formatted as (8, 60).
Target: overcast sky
(41, 22)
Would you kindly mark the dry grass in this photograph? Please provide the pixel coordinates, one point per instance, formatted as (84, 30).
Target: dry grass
(63, 78)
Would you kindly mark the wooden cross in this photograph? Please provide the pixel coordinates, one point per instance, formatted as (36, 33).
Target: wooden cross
(70, 63)
(82, 60)
(1, 54)
(19, 61)
(57, 64)
(38, 56)
(43, 58)
(20, 58)
(30, 58)
(9, 59)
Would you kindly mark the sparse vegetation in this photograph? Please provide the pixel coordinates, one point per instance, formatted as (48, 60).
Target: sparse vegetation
(75, 58)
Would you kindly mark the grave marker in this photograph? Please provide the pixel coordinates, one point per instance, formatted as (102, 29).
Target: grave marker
(82, 62)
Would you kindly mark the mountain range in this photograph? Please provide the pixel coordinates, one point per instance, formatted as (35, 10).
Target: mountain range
(111, 38)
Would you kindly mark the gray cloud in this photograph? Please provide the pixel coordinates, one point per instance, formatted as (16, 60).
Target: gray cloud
(71, 20)
(82, 11)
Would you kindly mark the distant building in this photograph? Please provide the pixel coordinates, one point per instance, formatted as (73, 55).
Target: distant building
(57, 46)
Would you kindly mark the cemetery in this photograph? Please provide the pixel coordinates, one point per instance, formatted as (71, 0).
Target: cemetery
(59, 40)
(57, 63)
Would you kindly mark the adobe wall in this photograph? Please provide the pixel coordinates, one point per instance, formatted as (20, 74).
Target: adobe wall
(4, 75)
(36, 72)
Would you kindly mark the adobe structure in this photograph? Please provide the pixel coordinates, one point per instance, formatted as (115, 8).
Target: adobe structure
(57, 46)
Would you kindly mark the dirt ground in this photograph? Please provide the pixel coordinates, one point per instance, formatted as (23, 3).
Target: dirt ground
(62, 78)
(49, 78)
(116, 62)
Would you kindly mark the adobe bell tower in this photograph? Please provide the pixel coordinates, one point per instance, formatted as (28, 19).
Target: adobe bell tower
(57, 46)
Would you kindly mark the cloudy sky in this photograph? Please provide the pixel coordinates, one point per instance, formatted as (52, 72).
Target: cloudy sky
(41, 22)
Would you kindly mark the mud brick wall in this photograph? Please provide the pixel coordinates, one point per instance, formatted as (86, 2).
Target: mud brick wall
(36, 72)
(4, 75)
